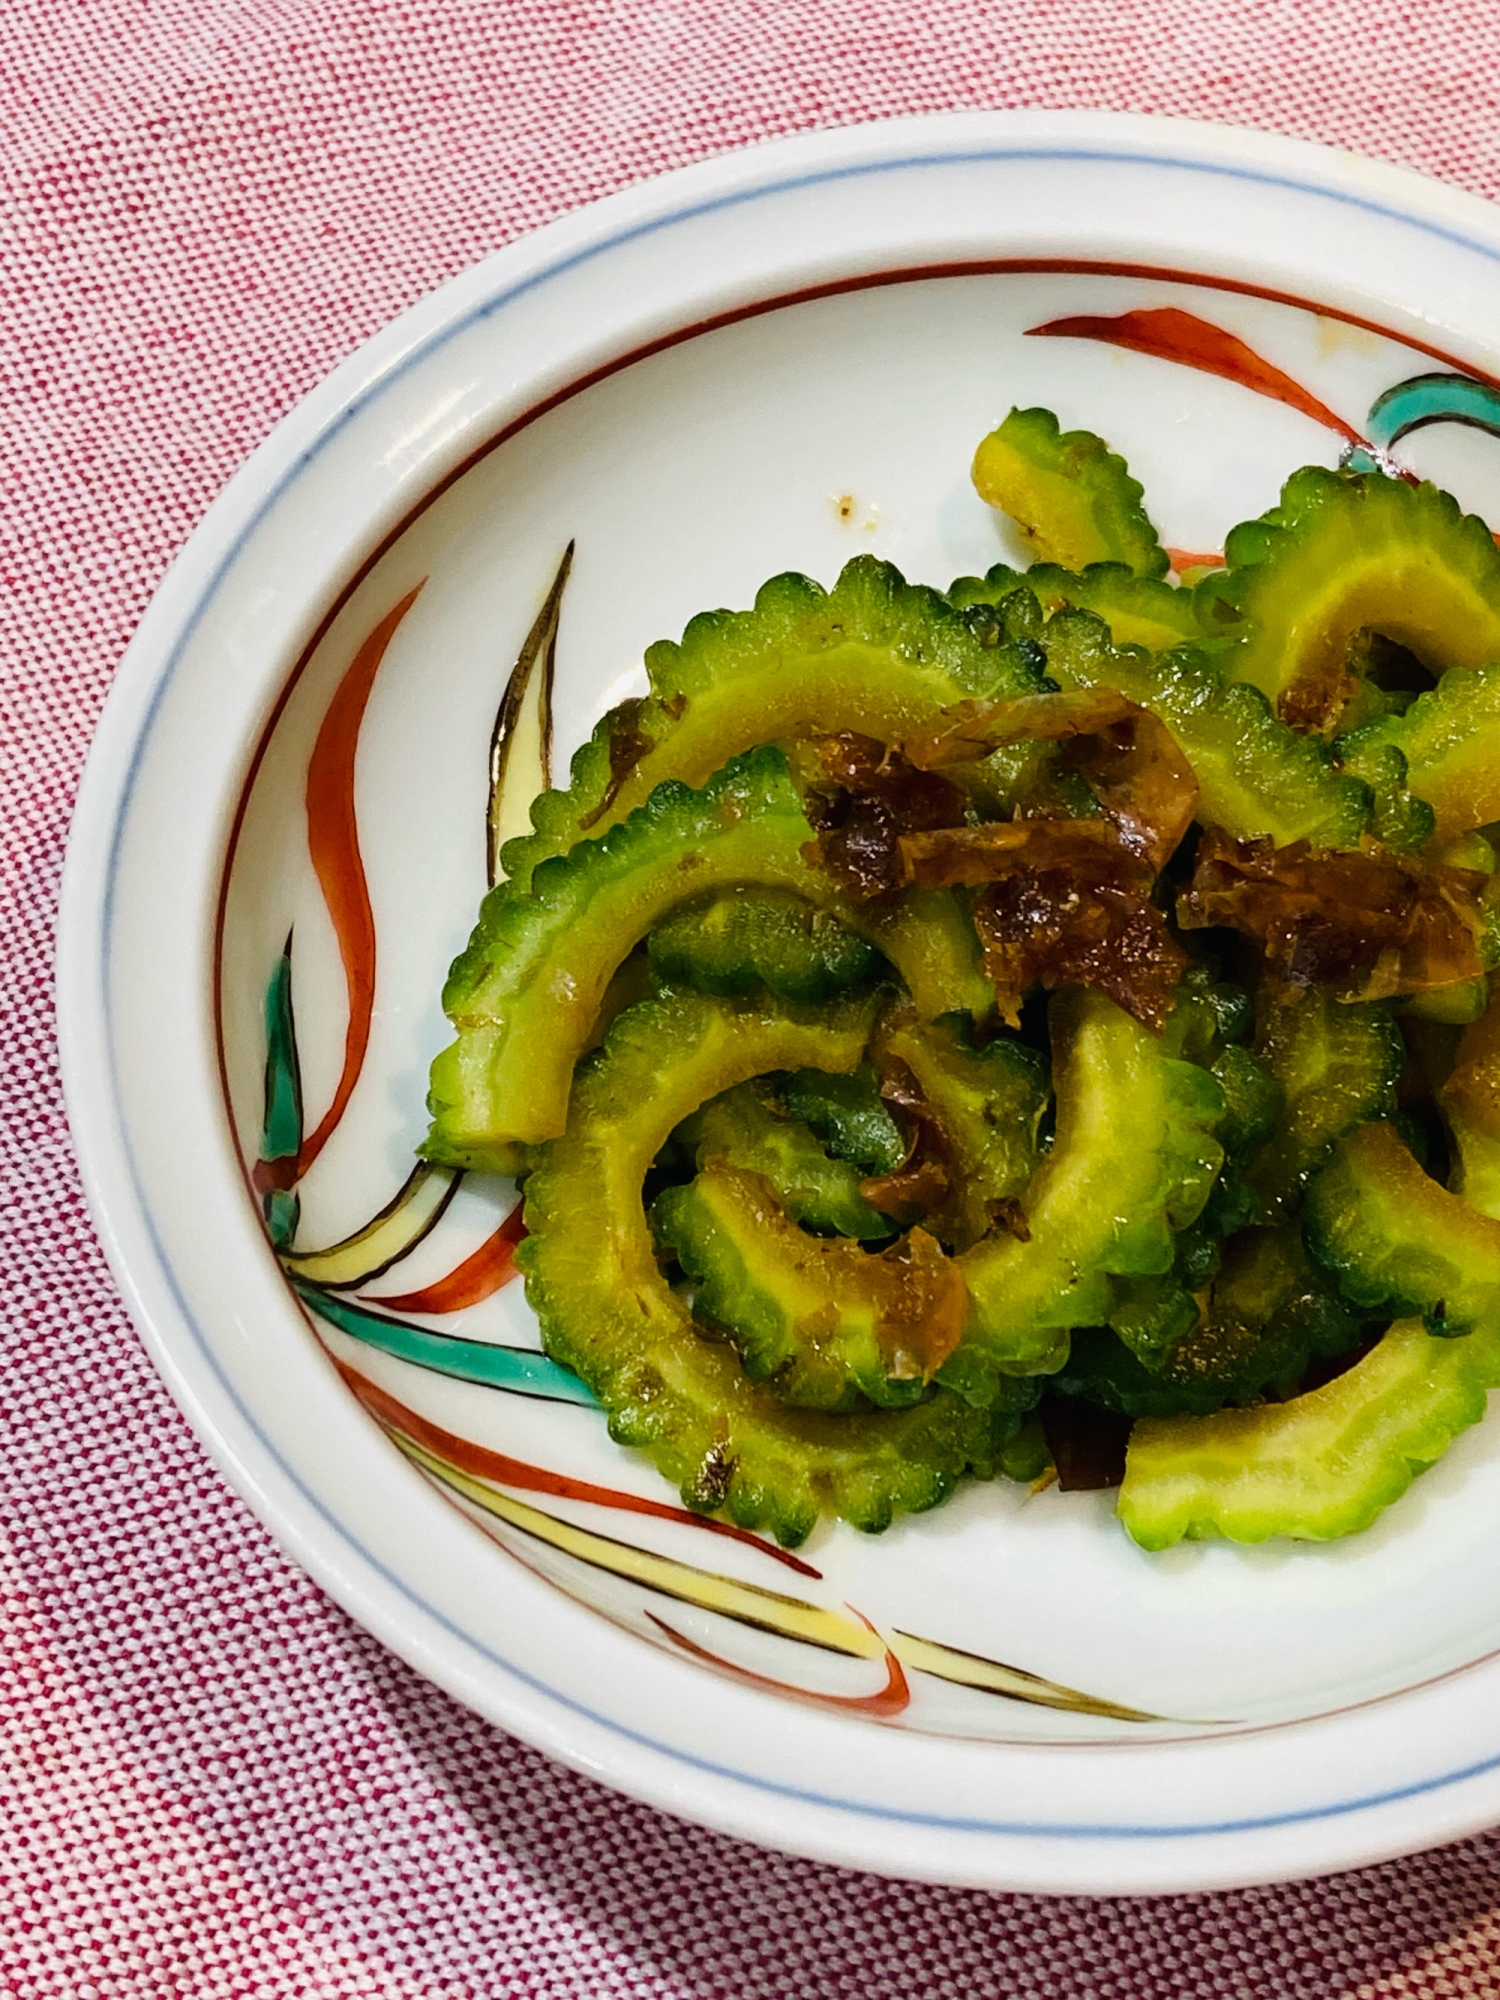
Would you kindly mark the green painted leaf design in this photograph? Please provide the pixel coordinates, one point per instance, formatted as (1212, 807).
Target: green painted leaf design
(517, 1369)
(275, 1175)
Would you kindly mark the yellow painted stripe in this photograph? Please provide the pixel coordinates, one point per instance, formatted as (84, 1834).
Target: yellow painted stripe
(768, 1610)
(386, 1238)
(970, 1670)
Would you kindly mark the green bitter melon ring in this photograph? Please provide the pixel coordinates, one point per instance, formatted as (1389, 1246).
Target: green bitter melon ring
(1324, 1464)
(1072, 498)
(824, 1322)
(817, 1189)
(607, 1312)
(1449, 743)
(1133, 1161)
(1144, 611)
(525, 994)
(751, 939)
(1340, 555)
(875, 655)
(1265, 1317)
(1255, 775)
(988, 1101)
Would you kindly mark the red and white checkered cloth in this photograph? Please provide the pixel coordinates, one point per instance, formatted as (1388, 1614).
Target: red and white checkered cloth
(210, 1783)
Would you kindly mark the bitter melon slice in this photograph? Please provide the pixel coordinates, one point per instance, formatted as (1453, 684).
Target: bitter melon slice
(1342, 555)
(1133, 1160)
(827, 1322)
(525, 994)
(1470, 1099)
(1324, 1464)
(1152, 1315)
(745, 1130)
(1255, 775)
(749, 938)
(607, 1312)
(1454, 1006)
(929, 937)
(1396, 1239)
(1072, 498)
(874, 655)
(1207, 1026)
(1138, 610)
(1268, 1314)
(1337, 1065)
(1254, 1108)
(988, 1100)
(1208, 1015)
(1398, 818)
(824, 1322)
(1449, 744)
(849, 1115)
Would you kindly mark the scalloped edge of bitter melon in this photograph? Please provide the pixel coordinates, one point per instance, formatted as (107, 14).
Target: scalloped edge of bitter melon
(823, 1322)
(526, 991)
(1470, 1101)
(1255, 775)
(876, 655)
(1144, 611)
(817, 1190)
(1338, 1066)
(1339, 554)
(607, 1312)
(1072, 498)
(1399, 820)
(1268, 1314)
(1448, 741)
(848, 1115)
(744, 939)
(1134, 1160)
(1318, 1467)
(1393, 1238)
(989, 1099)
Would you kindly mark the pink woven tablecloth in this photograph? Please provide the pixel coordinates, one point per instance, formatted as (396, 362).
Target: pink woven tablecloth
(211, 1784)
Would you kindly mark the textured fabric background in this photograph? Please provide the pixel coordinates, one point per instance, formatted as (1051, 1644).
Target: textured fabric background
(210, 1784)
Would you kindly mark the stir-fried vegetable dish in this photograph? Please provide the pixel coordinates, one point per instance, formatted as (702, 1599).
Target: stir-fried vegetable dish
(1042, 1026)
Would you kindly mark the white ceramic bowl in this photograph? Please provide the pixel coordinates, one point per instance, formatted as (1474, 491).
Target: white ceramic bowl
(776, 360)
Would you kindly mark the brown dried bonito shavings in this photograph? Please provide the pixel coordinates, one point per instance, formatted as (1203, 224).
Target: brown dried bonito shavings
(927, 1306)
(1128, 758)
(1007, 1214)
(1038, 927)
(872, 796)
(1372, 924)
(1067, 901)
(1087, 1444)
(1066, 905)
(627, 746)
(924, 1180)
